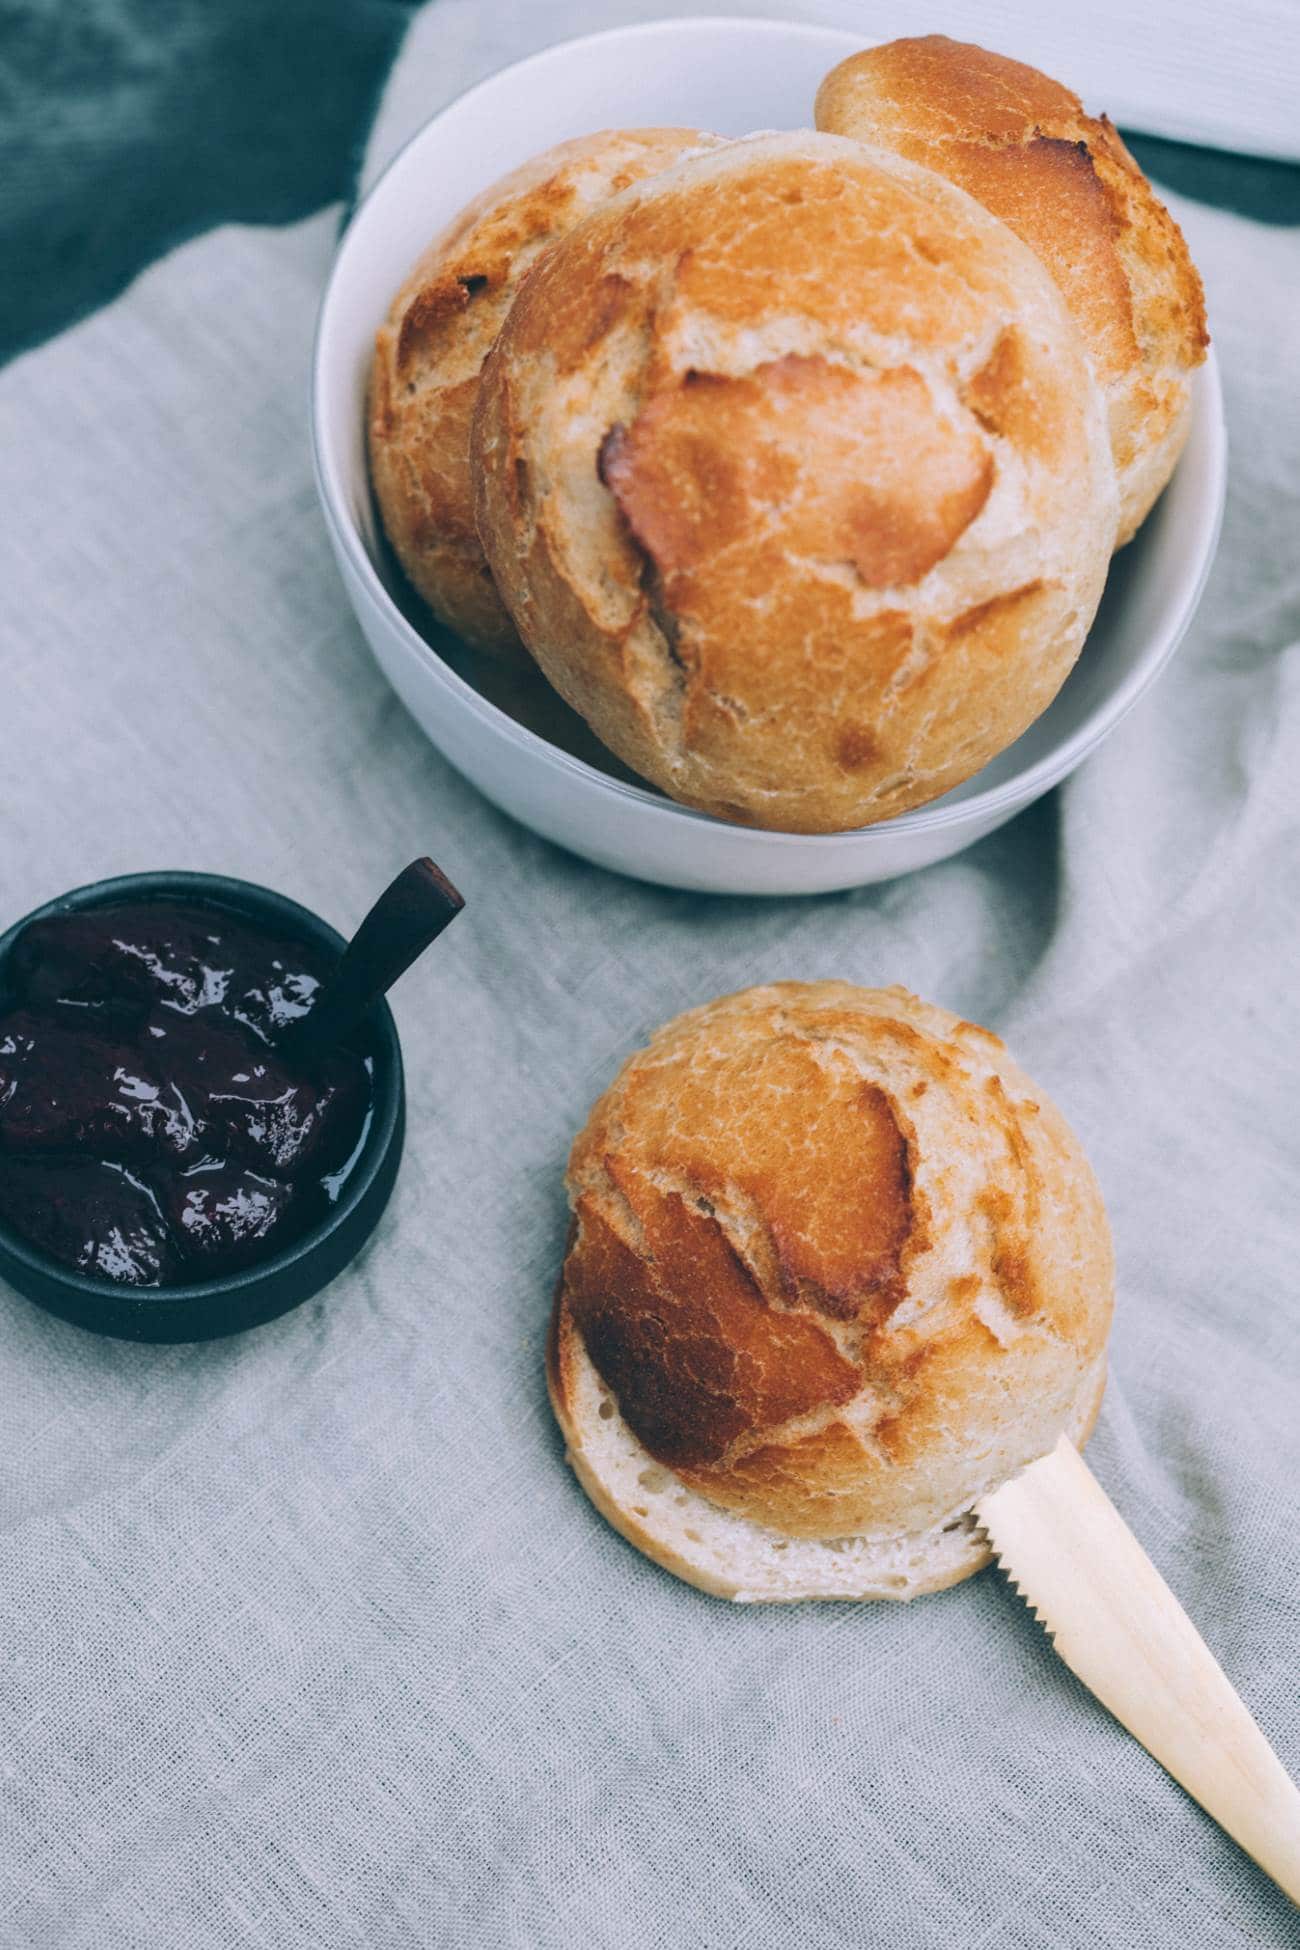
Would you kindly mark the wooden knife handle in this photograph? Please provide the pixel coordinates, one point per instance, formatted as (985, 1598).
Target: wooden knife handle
(1116, 1623)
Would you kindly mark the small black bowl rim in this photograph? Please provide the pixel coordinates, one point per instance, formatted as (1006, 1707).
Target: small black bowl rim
(247, 899)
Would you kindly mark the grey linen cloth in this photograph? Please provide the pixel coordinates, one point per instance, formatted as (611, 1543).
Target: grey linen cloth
(309, 1638)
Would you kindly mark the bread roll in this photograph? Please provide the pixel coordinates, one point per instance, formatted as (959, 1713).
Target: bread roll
(1066, 184)
(428, 354)
(837, 1268)
(793, 475)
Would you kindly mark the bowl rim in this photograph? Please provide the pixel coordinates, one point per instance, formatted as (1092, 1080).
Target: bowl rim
(989, 804)
(388, 1107)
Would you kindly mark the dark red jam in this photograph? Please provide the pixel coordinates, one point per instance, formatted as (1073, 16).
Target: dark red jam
(149, 1133)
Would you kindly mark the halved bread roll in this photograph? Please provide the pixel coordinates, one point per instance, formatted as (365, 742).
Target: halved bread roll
(793, 474)
(429, 353)
(1022, 145)
(837, 1268)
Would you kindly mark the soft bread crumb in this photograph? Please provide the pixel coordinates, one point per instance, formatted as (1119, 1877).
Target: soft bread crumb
(732, 1557)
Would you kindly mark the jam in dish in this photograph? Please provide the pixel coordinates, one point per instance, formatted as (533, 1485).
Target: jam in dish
(149, 1132)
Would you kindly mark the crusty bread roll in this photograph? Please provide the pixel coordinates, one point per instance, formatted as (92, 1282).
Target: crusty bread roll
(1064, 182)
(837, 1268)
(428, 354)
(792, 472)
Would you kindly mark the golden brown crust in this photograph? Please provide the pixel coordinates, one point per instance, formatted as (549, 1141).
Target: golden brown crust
(428, 355)
(840, 1265)
(926, 484)
(1022, 145)
(759, 507)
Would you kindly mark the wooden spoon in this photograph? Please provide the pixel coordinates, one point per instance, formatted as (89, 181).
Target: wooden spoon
(409, 915)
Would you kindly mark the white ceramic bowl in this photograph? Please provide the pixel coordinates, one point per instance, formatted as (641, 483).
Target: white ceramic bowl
(734, 76)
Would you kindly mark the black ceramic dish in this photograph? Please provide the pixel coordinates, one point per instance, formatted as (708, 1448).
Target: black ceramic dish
(234, 1301)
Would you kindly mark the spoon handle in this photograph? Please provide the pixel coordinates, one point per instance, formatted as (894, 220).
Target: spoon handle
(410, 914)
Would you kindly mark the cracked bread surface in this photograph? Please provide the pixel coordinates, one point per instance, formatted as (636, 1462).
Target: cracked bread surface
(1024, 147)
(837, 1267)
(430, 350)
(795, 479)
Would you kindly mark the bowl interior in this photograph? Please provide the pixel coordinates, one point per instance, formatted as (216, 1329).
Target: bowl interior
(732, 76)
(377, 1041)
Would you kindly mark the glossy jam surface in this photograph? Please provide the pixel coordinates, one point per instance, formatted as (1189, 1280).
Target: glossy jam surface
(149, 1132)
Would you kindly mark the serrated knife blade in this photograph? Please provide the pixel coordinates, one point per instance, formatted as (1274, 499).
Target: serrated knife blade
(1119, 1627)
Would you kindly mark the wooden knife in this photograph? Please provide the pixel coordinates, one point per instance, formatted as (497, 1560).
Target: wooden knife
(1119, 1627)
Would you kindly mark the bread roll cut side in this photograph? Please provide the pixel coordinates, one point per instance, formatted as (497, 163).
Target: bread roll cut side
(730, 1556)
